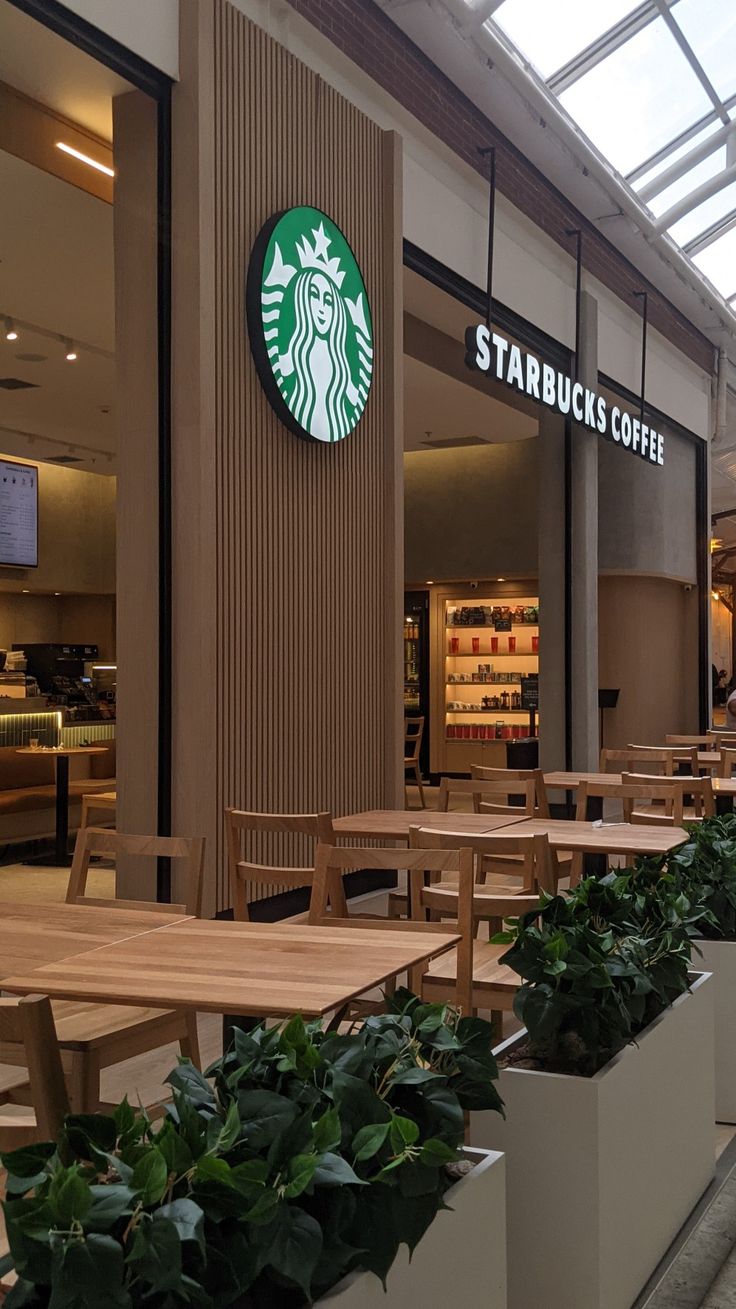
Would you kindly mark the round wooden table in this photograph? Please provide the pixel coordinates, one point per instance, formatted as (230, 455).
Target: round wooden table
(62, 755)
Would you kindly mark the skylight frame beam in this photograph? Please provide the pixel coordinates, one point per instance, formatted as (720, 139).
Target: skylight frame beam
(711, 234)
(604, 45)
(682, 138)
(687, 162)
(694, 198)
(687, 50)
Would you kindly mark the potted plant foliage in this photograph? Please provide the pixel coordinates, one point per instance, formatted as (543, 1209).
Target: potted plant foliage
(294, 1171)
(609, 1130)
(705, 868)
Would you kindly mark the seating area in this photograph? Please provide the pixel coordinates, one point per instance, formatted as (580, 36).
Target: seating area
(28, 791)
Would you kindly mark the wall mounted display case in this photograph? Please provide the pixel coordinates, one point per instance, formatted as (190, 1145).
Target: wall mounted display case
(485, 670)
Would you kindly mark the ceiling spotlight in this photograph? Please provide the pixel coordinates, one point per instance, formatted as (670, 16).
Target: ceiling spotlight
(85, 159)
(71, 353)
(10, 332)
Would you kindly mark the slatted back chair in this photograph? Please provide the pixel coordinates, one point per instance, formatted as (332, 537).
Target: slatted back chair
(28, 1037)
(93, 1037)
(93, 841)
(727, 761)
(682, 756)
(703, 742)
(637, 788)
(472, 975)
(491, 797)
(659, 762)
(692, 800)
(413, 733)
(246, 876)
(508, 775)
(332, 863)
(723, 738)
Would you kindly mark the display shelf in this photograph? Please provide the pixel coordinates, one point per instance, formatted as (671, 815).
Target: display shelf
(489, 627)
(499, 713)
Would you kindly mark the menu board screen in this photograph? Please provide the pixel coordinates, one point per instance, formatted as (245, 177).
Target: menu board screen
(18, 515)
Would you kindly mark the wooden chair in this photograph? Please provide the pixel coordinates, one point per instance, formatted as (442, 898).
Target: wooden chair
(472, 976)
(413, 733)
(721, 737)
(652, 761)
(27, 1035)
(333, 863)
(96, 1036)
(727, 761)
(491, 797)
(246, 876)
(704, 742)
(106, 801)
(692, 800)
(679, 755)
(508, 775)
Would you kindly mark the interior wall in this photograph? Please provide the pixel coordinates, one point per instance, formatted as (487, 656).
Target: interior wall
(83, 619)
(721, 626)
(647, 513)
(648, 630)
(287, 553)
(471, 512)
(76, 534)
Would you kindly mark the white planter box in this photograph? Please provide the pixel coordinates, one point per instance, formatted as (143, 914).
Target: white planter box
(719, 958)
(602, 1172)
(461, 1259)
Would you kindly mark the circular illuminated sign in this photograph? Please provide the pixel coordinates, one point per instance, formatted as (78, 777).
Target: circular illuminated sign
(310, 324)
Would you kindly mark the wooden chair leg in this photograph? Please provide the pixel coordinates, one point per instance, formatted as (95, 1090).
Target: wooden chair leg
(84, 1082)
(189, 1044)
(418, 776)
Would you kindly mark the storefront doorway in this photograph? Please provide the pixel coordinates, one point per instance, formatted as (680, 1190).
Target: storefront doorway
(80, 410)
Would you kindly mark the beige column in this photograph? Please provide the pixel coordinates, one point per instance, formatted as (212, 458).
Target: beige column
(136, 361)
(584, 592)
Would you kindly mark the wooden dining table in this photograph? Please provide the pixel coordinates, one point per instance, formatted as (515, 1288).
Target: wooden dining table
(395, 824)
(258, 969)
(606, 838)
(32, 935)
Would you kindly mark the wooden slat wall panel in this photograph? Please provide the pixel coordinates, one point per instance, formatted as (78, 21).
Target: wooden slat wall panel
(308, 637)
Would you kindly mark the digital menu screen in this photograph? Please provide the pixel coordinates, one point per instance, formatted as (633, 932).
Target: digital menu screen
(18, 515)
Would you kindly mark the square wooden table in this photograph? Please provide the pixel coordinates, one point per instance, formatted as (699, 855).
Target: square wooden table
(36, 934)
(610, 838)
(570, 781)
(272, 969)
(394, 824)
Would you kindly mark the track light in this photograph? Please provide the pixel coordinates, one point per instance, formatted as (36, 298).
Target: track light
(71, 353)
(10, 332)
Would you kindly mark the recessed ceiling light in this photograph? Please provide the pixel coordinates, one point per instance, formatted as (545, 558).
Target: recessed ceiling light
(10, 330)
(500, 579)
(71, 353)
(25, 591)
(85, 159)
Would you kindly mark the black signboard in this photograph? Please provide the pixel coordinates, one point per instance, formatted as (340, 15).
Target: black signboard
(530, 691)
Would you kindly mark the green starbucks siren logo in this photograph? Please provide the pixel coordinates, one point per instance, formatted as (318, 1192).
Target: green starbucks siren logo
(310, 324)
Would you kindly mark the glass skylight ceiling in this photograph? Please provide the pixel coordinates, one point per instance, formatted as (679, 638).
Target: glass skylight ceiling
(653, 86)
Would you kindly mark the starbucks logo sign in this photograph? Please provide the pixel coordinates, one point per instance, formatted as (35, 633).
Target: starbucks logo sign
(310, 324)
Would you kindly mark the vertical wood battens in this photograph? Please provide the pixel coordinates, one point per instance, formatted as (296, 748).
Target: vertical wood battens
(308, 644)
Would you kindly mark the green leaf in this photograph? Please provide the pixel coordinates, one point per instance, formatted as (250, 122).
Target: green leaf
(229, 1131)
(88, 1134)
(90, 1273)
(156, 1254)
(327, 1131)
(109, 1203)
(297, 1248)
(187, 1218)
(194, 1084)
(124, 1117)
(150, 1177)
(300, 1172)
(264, 1115)
(368, 1141)
(404, 1131)
(69, 1197)
(28, 1161)
(333, 1170)
(436, 1153)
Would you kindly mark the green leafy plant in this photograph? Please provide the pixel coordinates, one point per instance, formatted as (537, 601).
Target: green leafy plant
(302, 1156)
(705, 869)
(599, 965)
